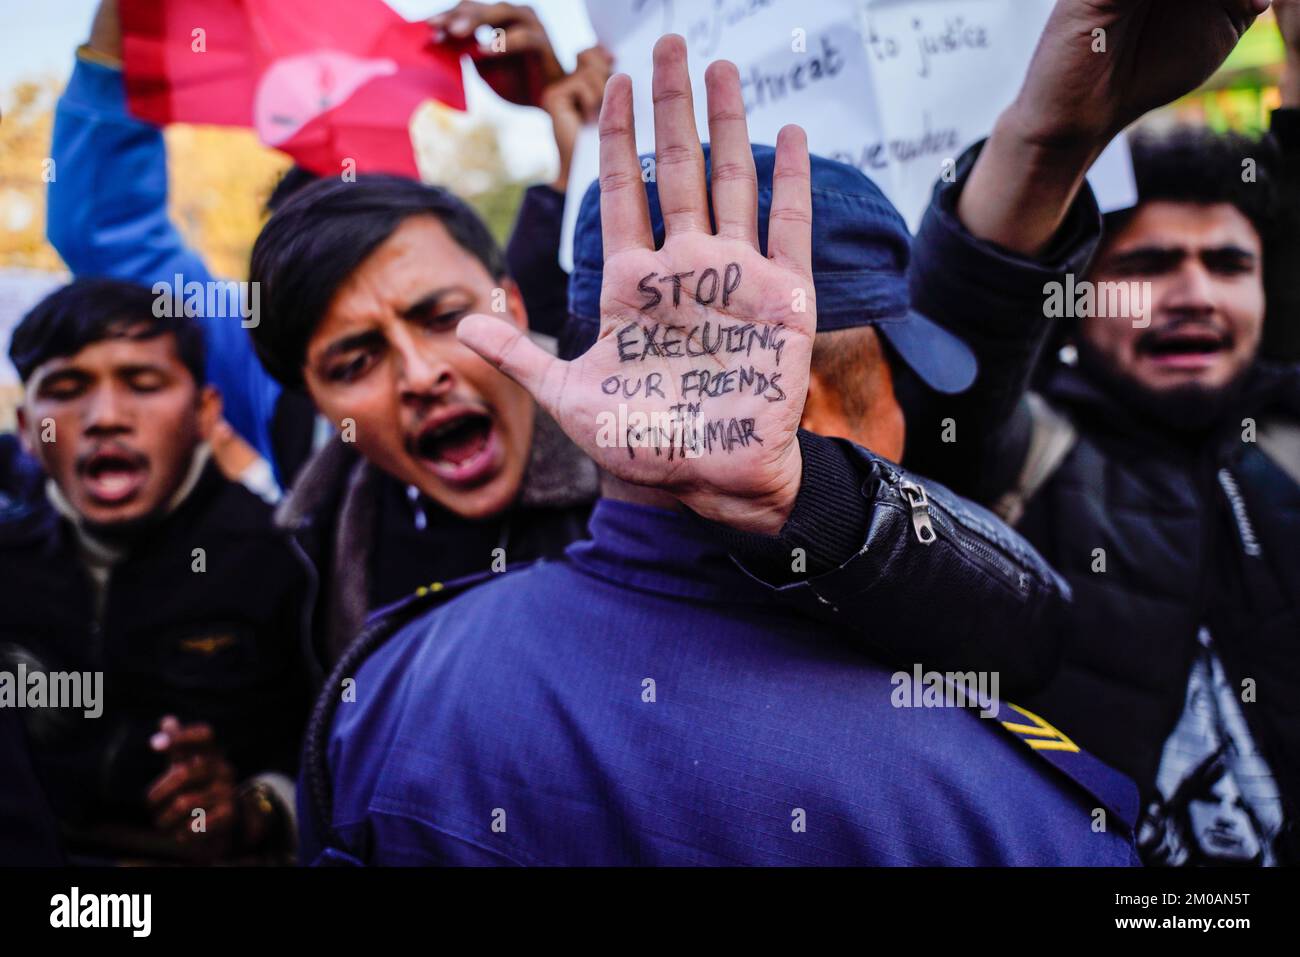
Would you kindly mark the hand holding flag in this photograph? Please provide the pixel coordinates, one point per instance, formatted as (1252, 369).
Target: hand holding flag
(326, 81)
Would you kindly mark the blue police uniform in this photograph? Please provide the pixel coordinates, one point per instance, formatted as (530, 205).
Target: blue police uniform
(642, 701)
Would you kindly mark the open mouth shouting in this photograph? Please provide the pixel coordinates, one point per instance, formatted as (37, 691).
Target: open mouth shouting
(1184, 348)
(460, 446)
(113, 475)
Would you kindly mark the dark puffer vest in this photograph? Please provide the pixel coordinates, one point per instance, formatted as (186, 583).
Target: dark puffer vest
(1193, 534)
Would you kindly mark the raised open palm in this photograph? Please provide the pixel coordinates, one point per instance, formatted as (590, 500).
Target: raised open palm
(697, 381)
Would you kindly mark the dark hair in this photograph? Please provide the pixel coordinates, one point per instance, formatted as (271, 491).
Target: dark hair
(1194, 164)
(313, 243)
(86, 311)
(290, 183)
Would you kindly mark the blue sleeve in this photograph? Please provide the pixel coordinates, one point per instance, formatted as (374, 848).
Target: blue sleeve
(107, 216)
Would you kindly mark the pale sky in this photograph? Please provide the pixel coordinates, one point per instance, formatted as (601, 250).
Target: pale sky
(38, 37)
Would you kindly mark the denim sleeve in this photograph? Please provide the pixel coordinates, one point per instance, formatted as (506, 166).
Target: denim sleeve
(107, 216)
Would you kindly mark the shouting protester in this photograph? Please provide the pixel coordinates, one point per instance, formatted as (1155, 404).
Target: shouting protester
(1161, 472)
(157, 582)
(108, 213)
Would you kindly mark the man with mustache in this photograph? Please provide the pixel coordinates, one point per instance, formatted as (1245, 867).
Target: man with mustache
(143, 564)
(1159, 471)
(441, 468)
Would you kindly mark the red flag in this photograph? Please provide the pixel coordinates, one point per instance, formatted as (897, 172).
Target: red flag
(322, 80)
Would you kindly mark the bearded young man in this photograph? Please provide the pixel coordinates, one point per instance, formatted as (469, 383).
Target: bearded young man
(1160, 473)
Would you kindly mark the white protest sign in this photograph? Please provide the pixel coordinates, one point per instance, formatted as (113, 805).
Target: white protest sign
(897, 88)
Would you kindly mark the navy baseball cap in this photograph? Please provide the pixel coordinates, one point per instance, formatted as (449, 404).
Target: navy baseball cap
(860, 252)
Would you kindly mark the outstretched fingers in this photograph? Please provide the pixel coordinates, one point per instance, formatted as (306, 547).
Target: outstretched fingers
(735, 183)
(679, 161)
(624, 215)
(789, 228)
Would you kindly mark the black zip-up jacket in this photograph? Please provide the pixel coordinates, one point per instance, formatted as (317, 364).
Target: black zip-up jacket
(1199, 533)
(222, 645)
(29, 835)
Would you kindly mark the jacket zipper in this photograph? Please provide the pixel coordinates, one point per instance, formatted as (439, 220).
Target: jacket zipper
(919, 503)
(924, 518)
(100, 597)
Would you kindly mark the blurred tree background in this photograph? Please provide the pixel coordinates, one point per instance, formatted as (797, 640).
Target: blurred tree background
(24, 147)
(221, 177)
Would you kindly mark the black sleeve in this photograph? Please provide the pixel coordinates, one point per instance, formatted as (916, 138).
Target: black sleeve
(993, 299)
(909, 570)
(293, 427)
(284, 720)
(826, 525)
(1282, 256)
(532, 259)
(28, 833)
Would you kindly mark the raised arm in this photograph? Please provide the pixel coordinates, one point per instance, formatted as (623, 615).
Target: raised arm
(106, 215)
(1100, 66)
(532, 254)
(1021, 216)
(107, 203)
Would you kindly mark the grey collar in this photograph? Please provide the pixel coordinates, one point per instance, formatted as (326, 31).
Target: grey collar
(558, 476)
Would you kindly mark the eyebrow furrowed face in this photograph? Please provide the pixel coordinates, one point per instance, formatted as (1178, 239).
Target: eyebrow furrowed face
(375, 338)
(371, 338)
(359, 340)
(430, 301)
(1157, 258)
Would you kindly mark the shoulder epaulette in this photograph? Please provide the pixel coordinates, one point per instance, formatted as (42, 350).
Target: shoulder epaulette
(1114, 790)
